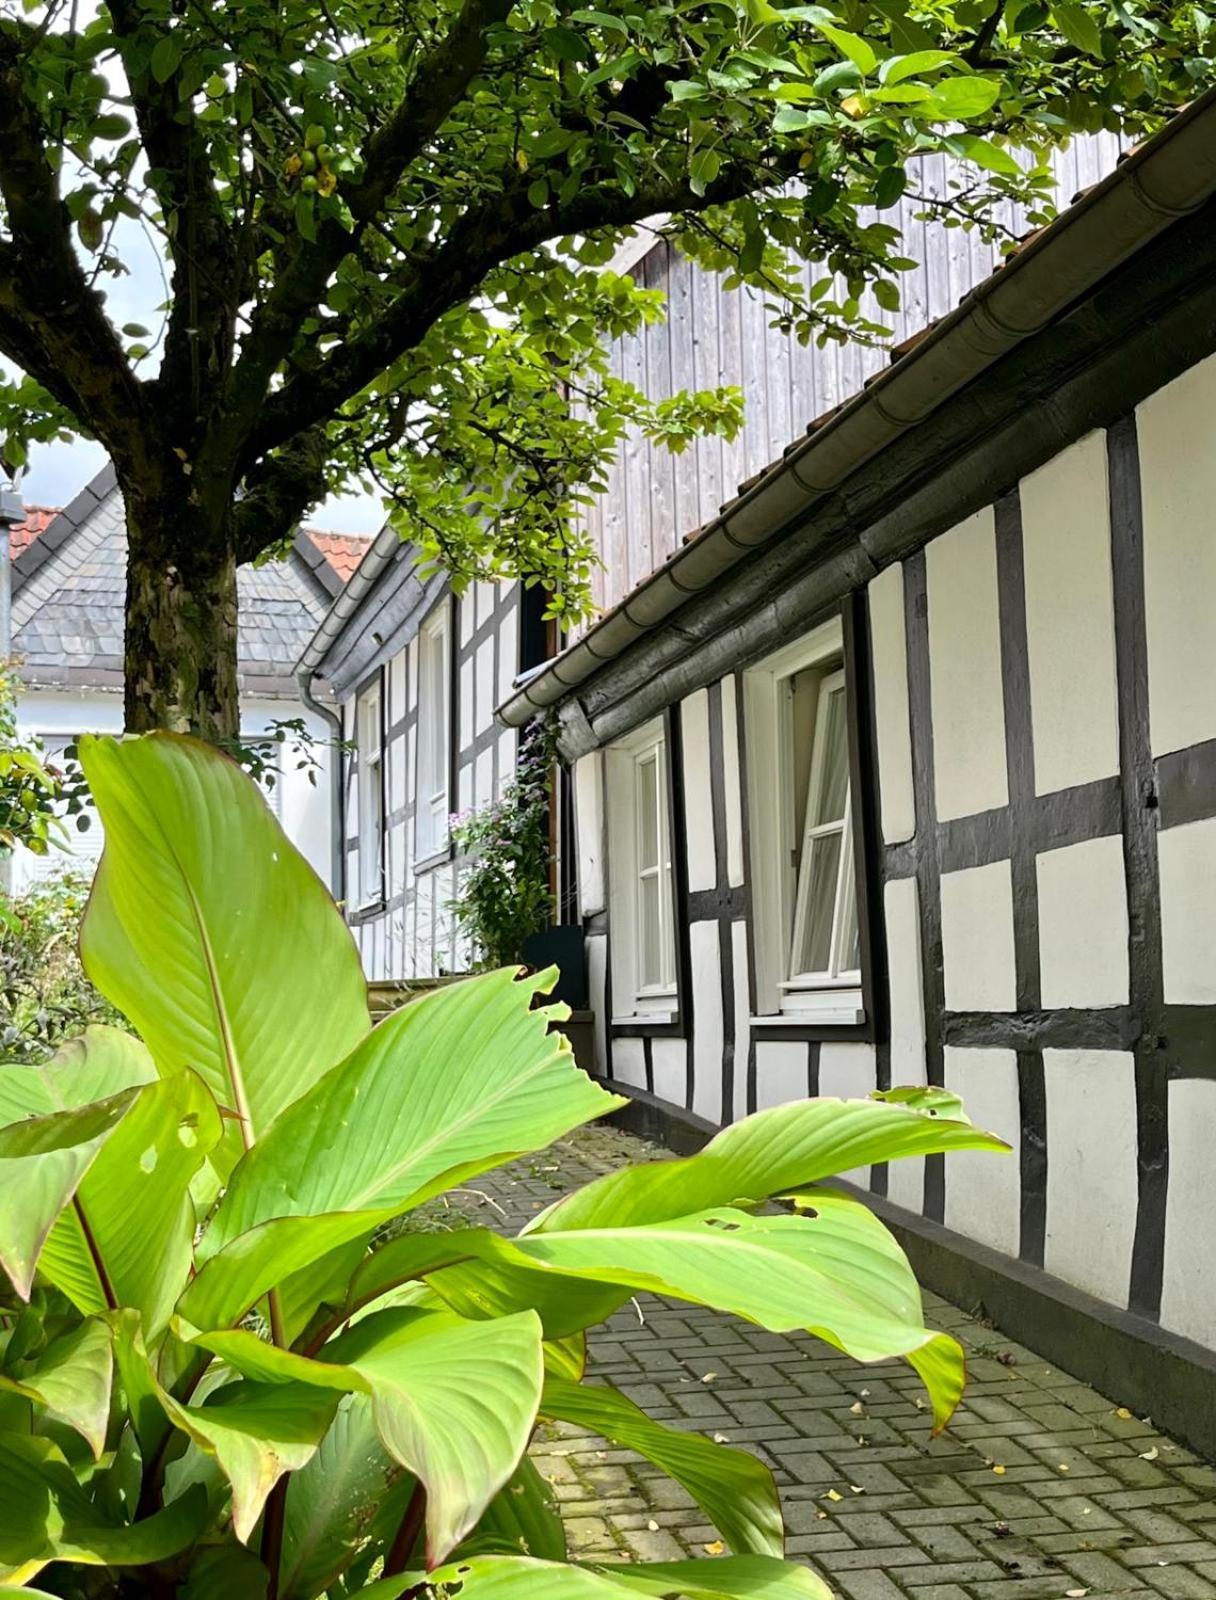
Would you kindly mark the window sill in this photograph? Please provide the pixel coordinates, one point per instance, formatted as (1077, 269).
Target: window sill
(852, 1025)
(436, 858)
(365, 913)
(651, 1021)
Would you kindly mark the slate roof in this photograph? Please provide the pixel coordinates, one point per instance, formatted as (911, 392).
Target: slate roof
(69, 586)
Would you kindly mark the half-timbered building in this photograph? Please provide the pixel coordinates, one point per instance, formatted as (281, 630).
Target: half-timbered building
(901, 768)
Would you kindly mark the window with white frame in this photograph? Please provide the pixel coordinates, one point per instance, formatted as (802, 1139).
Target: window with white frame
(641, 896)
(431, 801)
(369, 747)
(808, 948)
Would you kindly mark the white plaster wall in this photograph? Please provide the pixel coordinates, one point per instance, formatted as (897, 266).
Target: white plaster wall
(1070, 622)
(698, 797)
(889, 652)
(965, 669)
(1188, 1291)
(848, 1072)
(983, 1190)
(977, 939)
(1186, 861)
(1092, 1188)
(669, 1058)
(629, 1062)
(906, 1179)
(1083, 924)
(1177, 434)
(738, 932)
(706, 979)
(781, 1072)
(589, 826)
(732, 784)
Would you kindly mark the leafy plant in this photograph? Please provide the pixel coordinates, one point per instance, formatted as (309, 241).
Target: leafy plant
(212, 1382)
(45, 997)
(505, 893)
(35, 795)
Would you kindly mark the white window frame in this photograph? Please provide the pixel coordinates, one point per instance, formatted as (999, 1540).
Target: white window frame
(629, 764)
(369, 755)
(433, 767)
(835, 997)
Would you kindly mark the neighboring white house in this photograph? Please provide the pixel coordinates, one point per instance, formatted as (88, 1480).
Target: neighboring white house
(69, 577)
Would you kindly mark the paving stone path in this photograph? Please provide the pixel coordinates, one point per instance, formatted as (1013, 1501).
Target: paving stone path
(1040, 1488)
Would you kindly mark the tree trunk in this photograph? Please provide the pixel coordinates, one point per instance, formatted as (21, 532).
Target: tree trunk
(181, 624)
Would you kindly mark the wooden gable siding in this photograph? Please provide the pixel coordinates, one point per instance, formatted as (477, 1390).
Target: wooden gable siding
(710, 337)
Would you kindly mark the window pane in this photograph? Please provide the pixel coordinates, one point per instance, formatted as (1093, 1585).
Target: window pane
(648, 813)
(650, 962)
(850, 939)
(834, 777)
(815, 945)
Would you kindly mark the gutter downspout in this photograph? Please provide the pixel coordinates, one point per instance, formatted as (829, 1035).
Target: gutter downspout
(337, 789)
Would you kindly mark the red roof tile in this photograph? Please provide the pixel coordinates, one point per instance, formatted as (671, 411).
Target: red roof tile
(36, 521)
(343, 551)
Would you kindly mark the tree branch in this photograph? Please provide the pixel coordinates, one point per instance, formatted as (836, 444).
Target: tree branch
(478, 242)
(51, 320)
(279, 491)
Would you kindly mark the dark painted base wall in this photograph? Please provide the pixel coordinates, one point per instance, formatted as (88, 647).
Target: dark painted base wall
(1134, 1361)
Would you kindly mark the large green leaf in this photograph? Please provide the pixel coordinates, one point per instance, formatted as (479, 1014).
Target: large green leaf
(98, 1063)
(462, 1080)
(835, 1271)
(453, 1401)
(256, 1432)
(351, 1494)
(523, 1517)
(734, 1489)
(128, 1239)
(516, 1578)
(71, 1381)
(210, 931)
(770, 1153)
(45, 1515)
(42, 1162)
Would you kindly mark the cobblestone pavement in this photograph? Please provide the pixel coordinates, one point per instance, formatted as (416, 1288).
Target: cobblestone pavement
(1040, 1487)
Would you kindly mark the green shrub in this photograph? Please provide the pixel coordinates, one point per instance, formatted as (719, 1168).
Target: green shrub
(44, 994)
(504, 890)
(218, 1386)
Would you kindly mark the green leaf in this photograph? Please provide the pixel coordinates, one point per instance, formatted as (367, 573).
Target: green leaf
(352, 1494)
(128, 1240)
(454, 1401)
(734, 1489)
(45, 1515)
(960, 99)
(225, 1572)
(71, 1382)
(211, 932)
(522, 1518)
(256, 1432)
(1078, 25)
(514, 1578)
(984, 154)
(835, 1271)
(462, 1080)
(858, 51)
(774, 1151)
(42, 1162)
(166, 53)
(896, 68)
(703, 169)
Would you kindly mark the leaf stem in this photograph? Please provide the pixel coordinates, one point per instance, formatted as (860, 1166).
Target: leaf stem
(406, 1536)
(274, 1521)
(103, 1277)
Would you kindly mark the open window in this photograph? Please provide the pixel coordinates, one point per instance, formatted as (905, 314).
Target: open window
(432, 798)
(642, 899)
(804, 866)
(369, 747)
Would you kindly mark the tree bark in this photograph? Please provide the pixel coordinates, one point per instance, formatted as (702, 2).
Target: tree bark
(180, 643)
